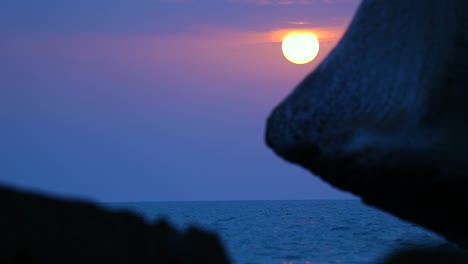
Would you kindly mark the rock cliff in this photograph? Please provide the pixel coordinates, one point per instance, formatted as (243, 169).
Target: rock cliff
(385, 115)
(38, 229)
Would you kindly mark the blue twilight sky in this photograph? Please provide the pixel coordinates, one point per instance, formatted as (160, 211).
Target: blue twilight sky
(154, 100)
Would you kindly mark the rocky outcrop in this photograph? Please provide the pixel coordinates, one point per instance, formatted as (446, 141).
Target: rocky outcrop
(385, 115)
(37, 229)
(426, 255)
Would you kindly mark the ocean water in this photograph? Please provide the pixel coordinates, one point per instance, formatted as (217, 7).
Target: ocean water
(295, 232)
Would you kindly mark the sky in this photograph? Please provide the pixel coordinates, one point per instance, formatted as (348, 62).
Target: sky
(154, 100)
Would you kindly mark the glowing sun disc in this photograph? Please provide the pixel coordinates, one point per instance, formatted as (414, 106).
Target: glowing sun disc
(300, 48)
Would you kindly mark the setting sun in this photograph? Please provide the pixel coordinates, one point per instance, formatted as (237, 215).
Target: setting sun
(300, 47)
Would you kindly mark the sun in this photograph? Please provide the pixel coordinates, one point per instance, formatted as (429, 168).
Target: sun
(300, 47)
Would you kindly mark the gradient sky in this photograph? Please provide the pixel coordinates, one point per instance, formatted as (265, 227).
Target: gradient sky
(154, 100)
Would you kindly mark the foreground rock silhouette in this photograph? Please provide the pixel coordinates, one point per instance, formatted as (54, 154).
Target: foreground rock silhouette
(385, 115)
(37, 229)
(426, 255)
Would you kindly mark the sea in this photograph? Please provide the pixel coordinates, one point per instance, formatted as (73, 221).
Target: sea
(295, 232)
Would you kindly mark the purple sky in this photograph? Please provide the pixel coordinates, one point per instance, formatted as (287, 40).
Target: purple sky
(153, 100)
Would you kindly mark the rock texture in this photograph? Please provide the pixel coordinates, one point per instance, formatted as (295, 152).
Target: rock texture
(37, 229)
(424, 255)
(385, 115)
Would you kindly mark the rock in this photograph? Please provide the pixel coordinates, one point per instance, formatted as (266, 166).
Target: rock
(37, 229)
(385, 115)
(431, 255)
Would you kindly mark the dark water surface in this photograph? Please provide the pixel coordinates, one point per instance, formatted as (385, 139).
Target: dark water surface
(294, 232)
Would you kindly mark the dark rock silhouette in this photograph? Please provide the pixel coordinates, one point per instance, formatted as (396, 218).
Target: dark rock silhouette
(426, 255)
(385, 115)
(37, 229)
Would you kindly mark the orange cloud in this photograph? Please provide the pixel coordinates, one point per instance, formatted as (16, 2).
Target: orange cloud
(323, 34)
(290, 2)
(332, 33)
(298, 23)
